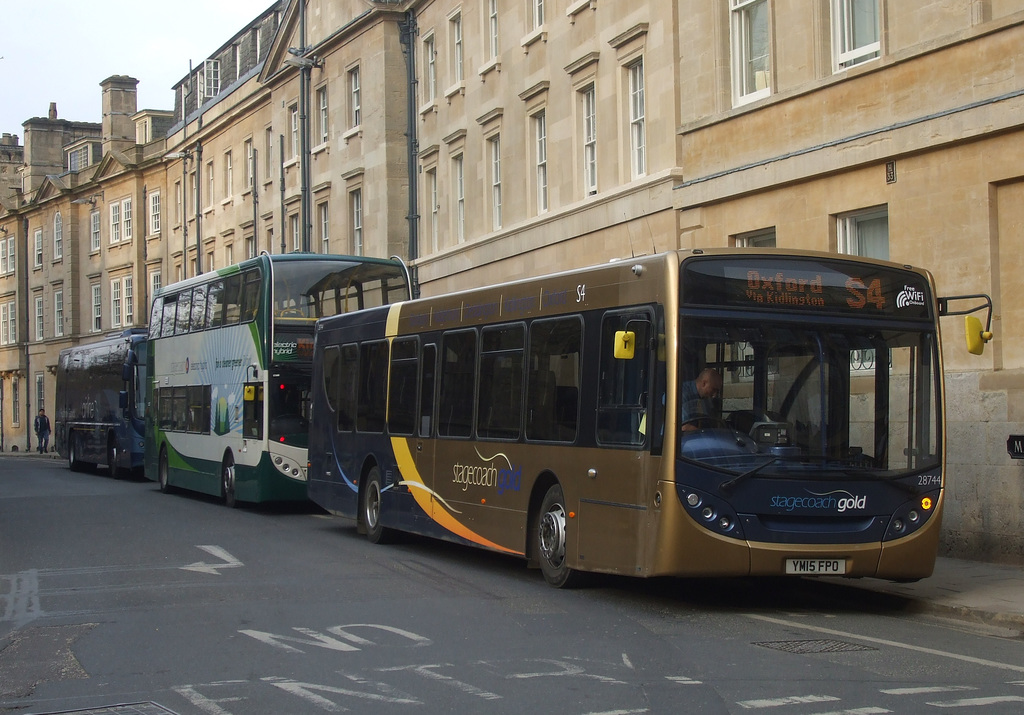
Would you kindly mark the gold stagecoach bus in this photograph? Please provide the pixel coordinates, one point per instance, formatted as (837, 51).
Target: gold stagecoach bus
(697, 413)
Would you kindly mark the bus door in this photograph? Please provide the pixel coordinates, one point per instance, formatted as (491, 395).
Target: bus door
(615, 494)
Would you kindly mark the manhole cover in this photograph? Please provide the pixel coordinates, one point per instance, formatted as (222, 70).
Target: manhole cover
(814, 646)
(127, 709)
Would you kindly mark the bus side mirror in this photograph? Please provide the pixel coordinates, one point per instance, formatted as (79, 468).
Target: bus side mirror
(122, 399)
(127, 372)
(625, 344)
(977, 336)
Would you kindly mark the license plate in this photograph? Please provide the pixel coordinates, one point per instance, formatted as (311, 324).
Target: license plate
(816, 567)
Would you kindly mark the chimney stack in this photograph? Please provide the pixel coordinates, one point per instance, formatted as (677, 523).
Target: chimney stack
(119, 104)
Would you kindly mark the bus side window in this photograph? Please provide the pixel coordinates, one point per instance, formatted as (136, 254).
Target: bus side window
(402, 386)
(428, 378)
(332, 375)
(156, 318)
(373, 380)
(169, 320)
(215, 304)
(252, 411)
(199, 308)
(553, 382)
(232, 299)
(624, 385)
(250, 295)
(458, 377)
(499, 409)
(184, 312)
(348, 371)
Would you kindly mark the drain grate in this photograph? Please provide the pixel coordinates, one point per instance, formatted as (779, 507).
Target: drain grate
(814, 646)
(126, 709)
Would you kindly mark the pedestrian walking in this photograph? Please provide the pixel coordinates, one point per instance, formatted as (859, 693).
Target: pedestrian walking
(42, 427)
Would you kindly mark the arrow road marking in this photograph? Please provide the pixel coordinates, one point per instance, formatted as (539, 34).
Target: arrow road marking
(230, 561)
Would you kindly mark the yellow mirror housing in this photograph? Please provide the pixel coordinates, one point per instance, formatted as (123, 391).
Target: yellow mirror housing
(625, 344)
(977, 336)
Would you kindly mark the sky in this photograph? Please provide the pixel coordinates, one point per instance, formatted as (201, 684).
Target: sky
(60, 50)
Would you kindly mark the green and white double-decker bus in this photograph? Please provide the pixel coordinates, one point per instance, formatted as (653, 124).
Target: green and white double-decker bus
(227, 405)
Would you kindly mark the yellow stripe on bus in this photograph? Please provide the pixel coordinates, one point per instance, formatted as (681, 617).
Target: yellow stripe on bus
(426, 498)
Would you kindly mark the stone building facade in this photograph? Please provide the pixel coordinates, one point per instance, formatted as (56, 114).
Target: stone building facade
(487, 140)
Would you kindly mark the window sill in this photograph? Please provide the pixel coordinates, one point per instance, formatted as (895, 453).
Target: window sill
(320, 149)
(355, 132)
(228, 200)
(457, 88)
(427, 108)
(538, 35)
(576, 8)
(494, 65)
(291, 162)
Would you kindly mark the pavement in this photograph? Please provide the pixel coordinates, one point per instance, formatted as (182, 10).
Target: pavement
(975, 591)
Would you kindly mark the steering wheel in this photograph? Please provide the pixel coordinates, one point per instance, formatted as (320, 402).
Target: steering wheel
(703, 421)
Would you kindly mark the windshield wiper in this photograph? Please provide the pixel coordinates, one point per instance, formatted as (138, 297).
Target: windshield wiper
(726, 487)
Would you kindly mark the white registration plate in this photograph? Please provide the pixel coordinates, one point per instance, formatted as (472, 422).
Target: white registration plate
(816, 567)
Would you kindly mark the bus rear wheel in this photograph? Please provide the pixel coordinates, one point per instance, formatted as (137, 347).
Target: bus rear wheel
(227, 482)
(371, 507)
(551, 541)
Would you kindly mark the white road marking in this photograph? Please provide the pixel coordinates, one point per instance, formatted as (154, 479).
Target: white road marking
(792, 700)
(979, 702)
(230, 561)
(430, 673)
(927, 690)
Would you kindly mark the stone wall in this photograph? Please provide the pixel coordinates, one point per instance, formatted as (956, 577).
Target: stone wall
(984, 508)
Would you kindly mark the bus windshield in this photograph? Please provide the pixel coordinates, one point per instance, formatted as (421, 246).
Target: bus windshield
(306, 291)
(797, 398)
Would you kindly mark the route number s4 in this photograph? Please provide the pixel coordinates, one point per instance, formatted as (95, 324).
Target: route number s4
(581, 293)
(862, 294)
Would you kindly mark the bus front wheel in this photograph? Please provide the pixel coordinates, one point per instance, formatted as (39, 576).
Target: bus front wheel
(73, 462)
(371, 507)
(112, 457)
(551, 541)
(227, 482)
(162, 474)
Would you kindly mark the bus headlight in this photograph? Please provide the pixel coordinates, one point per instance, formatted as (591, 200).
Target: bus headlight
(911, 516)
(711, 511)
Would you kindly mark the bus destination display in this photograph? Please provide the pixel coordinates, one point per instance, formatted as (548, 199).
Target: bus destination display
(811, 285)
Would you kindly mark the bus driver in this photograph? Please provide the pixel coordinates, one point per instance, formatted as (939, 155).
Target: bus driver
(698, 399)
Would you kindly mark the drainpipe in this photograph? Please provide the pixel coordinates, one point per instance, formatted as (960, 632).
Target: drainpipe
(408, 30)
(28, 361)
(284, 217)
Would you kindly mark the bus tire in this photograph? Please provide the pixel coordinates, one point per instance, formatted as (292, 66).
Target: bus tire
(162, 474)
(74, 464)
(370, 507)
(551, 541)
(112, 457)
(227, 481)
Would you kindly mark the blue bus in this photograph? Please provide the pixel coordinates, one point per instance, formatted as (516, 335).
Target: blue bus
(99, 417)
